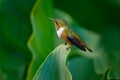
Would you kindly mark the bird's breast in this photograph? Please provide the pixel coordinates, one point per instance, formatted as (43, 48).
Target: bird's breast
(60, 31)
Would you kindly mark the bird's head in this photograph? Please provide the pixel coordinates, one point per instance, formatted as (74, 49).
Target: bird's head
(58, 23)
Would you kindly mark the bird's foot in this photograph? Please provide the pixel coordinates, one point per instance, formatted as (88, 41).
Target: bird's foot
(68, 48)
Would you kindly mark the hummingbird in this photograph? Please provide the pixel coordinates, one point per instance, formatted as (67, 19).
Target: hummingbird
(68, 35)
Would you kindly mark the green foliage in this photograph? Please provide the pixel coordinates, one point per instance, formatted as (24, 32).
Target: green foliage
(48, 62)
(41, 41)
(15, 29)
(54, 67)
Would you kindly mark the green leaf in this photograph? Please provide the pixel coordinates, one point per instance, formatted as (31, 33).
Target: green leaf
(54, 67)
(42, 40)
(106, 74)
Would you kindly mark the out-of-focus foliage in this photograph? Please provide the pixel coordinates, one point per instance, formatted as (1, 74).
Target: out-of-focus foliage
(100, 17)
(15, 29)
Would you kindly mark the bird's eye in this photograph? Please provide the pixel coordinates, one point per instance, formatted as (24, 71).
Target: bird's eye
(56, 22)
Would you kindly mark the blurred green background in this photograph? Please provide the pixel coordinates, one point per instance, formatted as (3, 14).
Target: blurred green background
(102, 16)
(99, 16)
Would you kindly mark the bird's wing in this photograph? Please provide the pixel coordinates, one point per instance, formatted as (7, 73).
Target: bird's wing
(77, 41)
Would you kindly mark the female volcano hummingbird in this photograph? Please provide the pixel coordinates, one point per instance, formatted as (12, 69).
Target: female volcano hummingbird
(68, 35)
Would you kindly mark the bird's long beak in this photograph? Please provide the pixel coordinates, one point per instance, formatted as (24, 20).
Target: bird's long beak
(51, 19)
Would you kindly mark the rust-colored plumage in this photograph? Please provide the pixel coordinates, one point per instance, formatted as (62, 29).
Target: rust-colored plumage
(69, 36)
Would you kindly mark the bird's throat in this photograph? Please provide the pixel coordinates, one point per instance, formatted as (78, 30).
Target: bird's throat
(60, 31)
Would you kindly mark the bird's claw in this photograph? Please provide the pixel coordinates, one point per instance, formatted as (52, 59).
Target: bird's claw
(68, 48)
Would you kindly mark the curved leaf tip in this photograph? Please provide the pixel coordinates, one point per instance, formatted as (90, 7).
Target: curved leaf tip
(54, 67)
